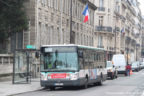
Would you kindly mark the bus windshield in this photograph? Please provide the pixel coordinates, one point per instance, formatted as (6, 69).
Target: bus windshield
(59, 61)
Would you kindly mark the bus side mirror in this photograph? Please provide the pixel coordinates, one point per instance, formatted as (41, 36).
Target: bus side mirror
(80, 54)
(37, 54)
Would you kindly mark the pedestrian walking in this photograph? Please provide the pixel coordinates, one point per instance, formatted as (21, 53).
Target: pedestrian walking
(128, 68)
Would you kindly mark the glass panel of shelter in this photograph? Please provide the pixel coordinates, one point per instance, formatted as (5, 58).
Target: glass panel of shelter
(24, 66)
(20, 67)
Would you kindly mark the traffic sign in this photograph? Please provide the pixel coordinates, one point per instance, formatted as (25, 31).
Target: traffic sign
(30, 47)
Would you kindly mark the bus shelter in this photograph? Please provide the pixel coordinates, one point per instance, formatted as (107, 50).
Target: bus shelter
(23, 60)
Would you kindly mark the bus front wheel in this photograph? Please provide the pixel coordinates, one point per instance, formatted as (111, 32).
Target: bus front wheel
(101, 80)
(52, 88)
(86, 83)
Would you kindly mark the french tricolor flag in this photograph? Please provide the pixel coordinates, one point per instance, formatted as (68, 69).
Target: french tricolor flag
(86, 13)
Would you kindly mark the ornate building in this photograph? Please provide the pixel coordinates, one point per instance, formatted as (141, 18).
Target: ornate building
(118, 28)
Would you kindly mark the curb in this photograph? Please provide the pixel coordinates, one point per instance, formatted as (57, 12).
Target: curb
(24, 92)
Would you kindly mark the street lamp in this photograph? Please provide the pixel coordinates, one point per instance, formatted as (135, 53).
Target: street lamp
(127, 54)
(127, 49)
(115, 32)
(115, 38)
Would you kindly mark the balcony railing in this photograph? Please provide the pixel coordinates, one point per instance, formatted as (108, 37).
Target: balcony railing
(137, 45)
(101, 8)
(103, 28)
(117, 29)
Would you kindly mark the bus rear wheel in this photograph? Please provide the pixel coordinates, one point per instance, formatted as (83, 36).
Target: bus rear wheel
(86, 83)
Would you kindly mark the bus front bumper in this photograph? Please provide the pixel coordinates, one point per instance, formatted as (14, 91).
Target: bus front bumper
(62, 83)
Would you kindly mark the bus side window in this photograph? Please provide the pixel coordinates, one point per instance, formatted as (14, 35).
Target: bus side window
(80, 54)
(81, 65)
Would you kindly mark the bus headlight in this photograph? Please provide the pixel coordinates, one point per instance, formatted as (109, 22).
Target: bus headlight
(74, 76)
(43, 77)
(49, 76)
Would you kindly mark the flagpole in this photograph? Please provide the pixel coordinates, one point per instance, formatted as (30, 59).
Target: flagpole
(71, 41)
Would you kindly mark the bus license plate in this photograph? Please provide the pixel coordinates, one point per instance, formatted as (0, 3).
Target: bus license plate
(58, 84)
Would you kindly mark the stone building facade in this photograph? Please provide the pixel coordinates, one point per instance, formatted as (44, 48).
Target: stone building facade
(115, 25)
(118, 28)
(104, 24)
(50, 22)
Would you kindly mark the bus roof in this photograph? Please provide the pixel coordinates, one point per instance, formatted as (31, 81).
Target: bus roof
(74, 45)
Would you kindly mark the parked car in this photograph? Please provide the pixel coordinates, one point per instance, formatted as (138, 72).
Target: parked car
(141, 65)
(135, 66)
(120, 63)
(111, 70)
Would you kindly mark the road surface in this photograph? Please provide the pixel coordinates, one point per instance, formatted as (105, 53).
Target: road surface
(122, 86)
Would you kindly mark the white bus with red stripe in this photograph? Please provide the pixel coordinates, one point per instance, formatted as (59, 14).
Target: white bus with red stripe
(72, 65)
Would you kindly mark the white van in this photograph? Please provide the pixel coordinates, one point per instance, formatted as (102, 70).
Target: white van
(119, 61)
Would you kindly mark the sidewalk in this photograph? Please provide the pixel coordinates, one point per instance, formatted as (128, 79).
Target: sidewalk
(7, 88)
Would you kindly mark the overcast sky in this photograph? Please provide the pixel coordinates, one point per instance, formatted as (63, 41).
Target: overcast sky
(142, 6)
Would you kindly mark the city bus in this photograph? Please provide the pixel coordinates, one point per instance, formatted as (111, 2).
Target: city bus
(72, 65)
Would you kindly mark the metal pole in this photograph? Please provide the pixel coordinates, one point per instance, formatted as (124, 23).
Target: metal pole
(115, 33)
(29, 32)
(136, 52)
(14, 59)
(27, 78)
(71, 37)
(115, 39)
(127, 54)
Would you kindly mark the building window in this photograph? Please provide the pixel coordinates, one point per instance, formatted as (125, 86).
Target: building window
(58, 38)
(48, 3)
(100, 20)
(49, 34)
(78, 26)
(52, 16)
(78, 38)
(45, 2)
(100, 43)
(101, 3)
(67, 22)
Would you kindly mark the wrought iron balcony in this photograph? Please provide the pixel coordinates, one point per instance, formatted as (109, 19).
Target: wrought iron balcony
(101, 8)
(103, 28)
(116, 29)
(137, 45)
